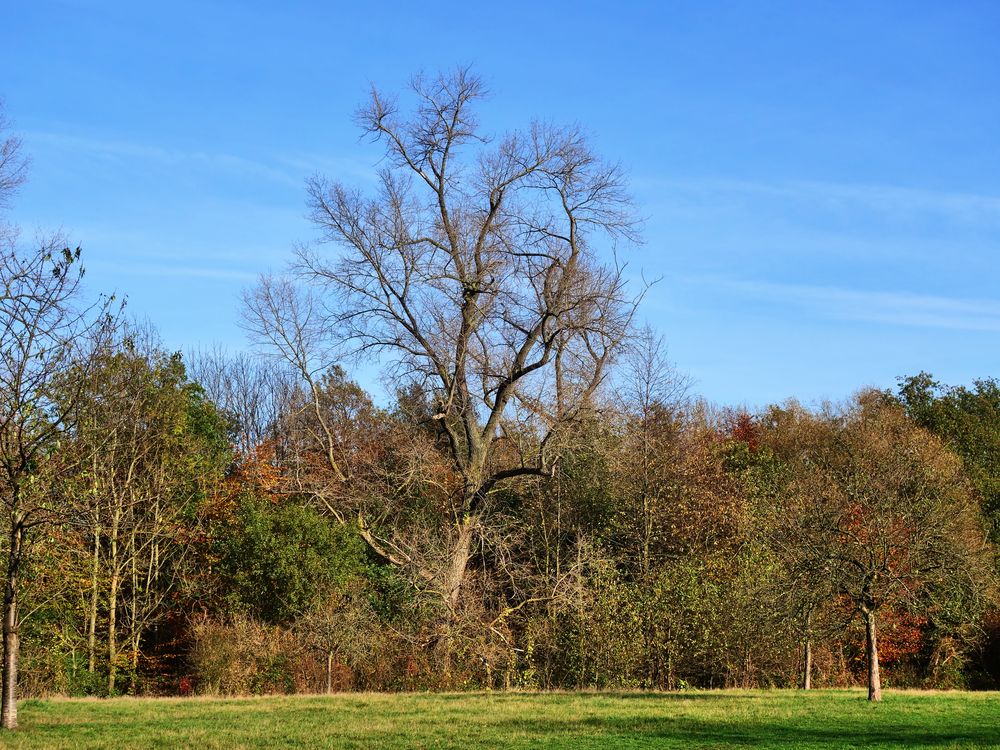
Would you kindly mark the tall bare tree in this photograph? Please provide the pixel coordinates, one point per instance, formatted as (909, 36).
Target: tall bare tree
(472, 275)
(13, 164)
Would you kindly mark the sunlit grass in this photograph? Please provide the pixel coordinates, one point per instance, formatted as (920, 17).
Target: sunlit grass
(752, 719)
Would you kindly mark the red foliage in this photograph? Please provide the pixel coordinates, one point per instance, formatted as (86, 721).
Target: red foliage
(743, 428)
(900, 636)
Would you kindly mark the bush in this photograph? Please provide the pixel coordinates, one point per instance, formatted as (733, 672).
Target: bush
(277, 561)
(242, 656)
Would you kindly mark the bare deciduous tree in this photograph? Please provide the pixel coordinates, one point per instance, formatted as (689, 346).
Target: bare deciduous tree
(252, 391)
(43, 337)
(651, 401)
(472, 275)
(13, 164)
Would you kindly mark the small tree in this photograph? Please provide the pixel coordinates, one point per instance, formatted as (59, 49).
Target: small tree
(786, 490)
(340, 627)
(885, 515)
(277, 562)
(44, 335)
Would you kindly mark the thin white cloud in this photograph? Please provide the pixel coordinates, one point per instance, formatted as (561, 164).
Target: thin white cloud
(116, 149)
(348, 168)
(176, 271)
(286, 168)
(891, 201)
(889, 307)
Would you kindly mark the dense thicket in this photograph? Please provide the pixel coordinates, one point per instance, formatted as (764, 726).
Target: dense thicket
(675, 545)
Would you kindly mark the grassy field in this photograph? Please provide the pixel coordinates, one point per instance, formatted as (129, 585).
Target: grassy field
(764, 719)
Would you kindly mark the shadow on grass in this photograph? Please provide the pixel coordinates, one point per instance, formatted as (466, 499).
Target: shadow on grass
(700, 732)
(677, 695)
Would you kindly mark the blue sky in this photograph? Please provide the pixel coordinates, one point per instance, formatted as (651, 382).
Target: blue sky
(820, 181)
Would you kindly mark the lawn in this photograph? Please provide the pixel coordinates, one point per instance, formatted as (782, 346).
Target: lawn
(751, 719)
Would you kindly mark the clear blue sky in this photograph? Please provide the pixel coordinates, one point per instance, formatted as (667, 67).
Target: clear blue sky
(821, 179)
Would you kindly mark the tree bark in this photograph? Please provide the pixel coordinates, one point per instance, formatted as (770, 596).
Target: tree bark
(871, 652)
(113, 607)
(11, 637)
(460, 555)
(807, 663)
(94, 595)
(329, 672)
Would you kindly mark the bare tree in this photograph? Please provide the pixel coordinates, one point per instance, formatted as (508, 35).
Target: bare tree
(340, 629)
(253, 392)
(44, 337)
(651, 400)
(13, 164)
(471, 275)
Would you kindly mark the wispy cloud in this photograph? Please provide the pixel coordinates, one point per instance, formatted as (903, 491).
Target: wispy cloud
(176, 271)
(890, 201)
(144, 153)
(289, 169)
(352, 169)
(889, 307)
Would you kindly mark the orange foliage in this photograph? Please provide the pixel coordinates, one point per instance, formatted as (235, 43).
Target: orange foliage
(256, 471)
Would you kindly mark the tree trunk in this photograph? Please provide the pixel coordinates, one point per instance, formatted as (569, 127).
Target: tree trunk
(669, 643)
(807, 663)
(454, 576)
(329, 672)
(460, 555)
(113, 608)
(807, 652)
(134, 663)
(871, 652)
(135, 629)
(11, 637)
(94, 595)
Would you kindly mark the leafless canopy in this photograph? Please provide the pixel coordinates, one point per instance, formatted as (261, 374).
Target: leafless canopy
(472, 269)
(13, 165)
(471, 274)
(252, 392)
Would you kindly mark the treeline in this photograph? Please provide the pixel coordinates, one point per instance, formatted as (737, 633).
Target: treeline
(539, 503)
(204, 544)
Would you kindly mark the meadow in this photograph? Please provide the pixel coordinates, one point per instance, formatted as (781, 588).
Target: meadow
(709, 719)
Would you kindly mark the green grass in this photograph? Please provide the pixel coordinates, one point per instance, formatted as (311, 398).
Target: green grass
(749, 719)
